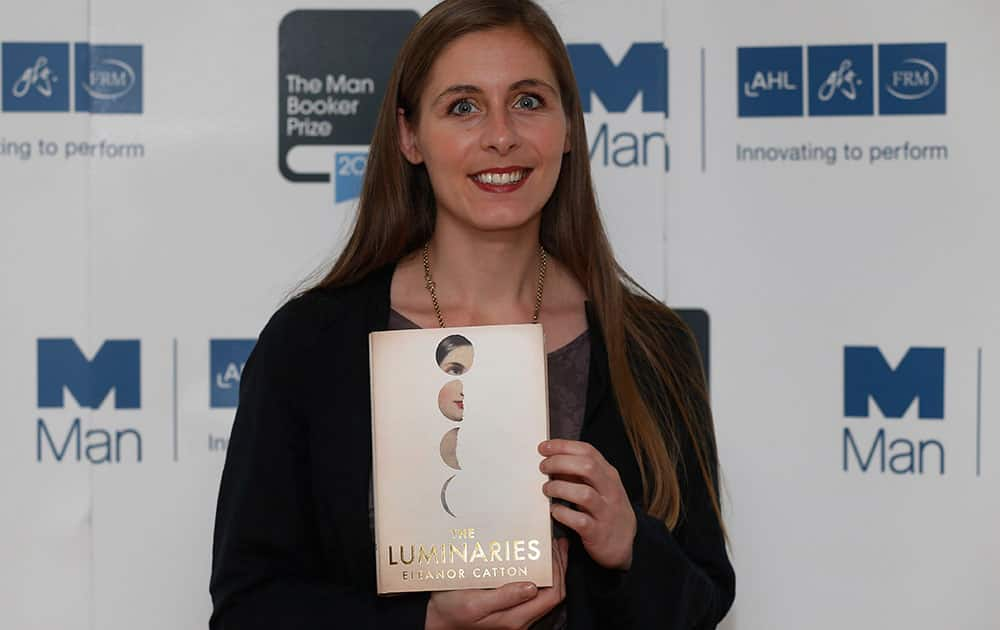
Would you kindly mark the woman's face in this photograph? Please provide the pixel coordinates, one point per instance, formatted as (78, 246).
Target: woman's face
(458, 361)
(451, 400)
(491, 130)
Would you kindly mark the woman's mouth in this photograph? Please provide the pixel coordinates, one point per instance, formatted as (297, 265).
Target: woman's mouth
(501, 180)
(460, 404)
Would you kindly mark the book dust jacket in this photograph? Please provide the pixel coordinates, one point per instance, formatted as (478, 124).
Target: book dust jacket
(457, 416)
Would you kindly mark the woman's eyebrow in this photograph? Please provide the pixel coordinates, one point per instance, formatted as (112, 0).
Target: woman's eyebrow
(523, 83)
(465, 88)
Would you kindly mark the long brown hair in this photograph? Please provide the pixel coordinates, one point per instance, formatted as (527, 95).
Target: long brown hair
(396, 215)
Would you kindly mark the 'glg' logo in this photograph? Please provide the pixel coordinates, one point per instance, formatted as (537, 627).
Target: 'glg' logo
(841, 80)
(228, 356)
(36, 77)
(920, 375)
(643, 69)
(61, 365)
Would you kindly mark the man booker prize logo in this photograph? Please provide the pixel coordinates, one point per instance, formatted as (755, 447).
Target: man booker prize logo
(330, 84)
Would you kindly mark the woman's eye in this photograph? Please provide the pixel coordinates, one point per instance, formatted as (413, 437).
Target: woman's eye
(455, 369)
(529, 101)
(463, 107)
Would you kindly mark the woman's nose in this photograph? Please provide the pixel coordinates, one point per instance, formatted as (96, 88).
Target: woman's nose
(500, 132)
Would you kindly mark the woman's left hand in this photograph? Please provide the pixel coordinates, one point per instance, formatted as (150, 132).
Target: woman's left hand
(603, 517)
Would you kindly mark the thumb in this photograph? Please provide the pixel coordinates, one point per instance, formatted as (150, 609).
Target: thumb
(509, 595)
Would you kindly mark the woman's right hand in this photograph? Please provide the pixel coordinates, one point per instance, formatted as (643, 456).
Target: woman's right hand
(513, 606)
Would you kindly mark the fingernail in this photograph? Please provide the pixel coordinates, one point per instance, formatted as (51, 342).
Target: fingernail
(528, 588)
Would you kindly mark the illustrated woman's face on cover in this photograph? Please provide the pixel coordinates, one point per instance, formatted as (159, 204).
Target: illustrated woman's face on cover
(490, 129)
(457, 361)
(451, 400)
(454, 355)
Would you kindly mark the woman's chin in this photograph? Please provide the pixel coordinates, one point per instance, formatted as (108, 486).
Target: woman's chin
(500, 219)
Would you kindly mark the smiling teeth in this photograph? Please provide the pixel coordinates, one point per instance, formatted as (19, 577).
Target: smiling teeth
(499, 178)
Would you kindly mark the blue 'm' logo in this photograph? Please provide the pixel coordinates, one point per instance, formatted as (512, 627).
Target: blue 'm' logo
(770, 81)
(228, 356)
(108, 79)
(841, 81)
(61, 365)
(912, 78)
(35, 77)
(350, 173)
(920, 374)
(643, 69)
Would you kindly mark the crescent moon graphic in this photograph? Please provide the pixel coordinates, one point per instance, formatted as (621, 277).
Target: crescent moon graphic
(448, 445)
(444, 498)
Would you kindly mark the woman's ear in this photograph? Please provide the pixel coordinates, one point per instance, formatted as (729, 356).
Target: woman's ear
(408, 139)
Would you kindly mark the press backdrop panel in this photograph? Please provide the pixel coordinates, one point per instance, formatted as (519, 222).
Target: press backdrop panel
(823, 272)
(159, 205)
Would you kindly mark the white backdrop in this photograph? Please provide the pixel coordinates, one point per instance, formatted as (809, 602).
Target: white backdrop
(187, 232)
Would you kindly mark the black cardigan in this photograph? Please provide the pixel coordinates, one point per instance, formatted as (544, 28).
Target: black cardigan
(292, 545)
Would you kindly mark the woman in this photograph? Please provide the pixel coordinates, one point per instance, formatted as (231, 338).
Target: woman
(451, 400)
(454, 355)
(477, 208)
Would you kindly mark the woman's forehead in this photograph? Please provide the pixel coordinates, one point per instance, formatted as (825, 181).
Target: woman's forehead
(459, 351)
(491, 60)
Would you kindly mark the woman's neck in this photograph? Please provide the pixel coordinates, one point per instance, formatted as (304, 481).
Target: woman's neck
(485, 277)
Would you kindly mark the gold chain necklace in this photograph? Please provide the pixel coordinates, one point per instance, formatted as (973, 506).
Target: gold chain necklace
(429, 283)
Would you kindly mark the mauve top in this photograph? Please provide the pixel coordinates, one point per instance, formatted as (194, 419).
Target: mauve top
(568, 367)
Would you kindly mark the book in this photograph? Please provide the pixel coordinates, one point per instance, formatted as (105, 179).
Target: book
(457, 416)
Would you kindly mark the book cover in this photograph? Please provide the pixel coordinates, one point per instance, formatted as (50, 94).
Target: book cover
(457, 416)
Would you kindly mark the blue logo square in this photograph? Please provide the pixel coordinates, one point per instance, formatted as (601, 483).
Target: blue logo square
(643, 69)
(227, 358)
(841, 81)
(350, 173)
(35, 77)
(770, 81)
(108, 79)
(912, 78)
